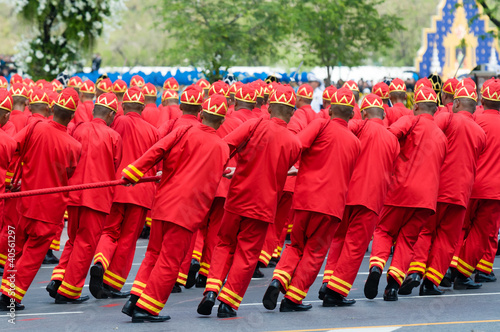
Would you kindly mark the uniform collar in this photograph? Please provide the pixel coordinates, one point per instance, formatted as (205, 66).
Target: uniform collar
(16, 112)
(465, 113)
(427, 116)
(58, 126)
(491, 112)
(189, 117)
(279, 122)
(340, 121)
(377, 120)
(207, 129)
(399, 104)
(99, 121)
(37, 115)
(134, 115)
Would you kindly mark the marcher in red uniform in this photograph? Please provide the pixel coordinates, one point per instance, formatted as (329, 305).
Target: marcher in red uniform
(194, 159)
(327, 101)
(447, 94)
(244, 102)
(86, 105)
(365, 199)
(87, 209)
(412, 196)
(353, 86)
(103, 86)
(382, 90)
(116, 248)
(326, 144)
(137, 81)
(119, 88)
(204, 85)
(484, 206)
(20, 95)
(397, 95)
(304, 114)
(49, 156)
(433, 251)
(424, 81)
(169, 109)
(266, 150)
(75, 82)
(150, 113)
(7, 149)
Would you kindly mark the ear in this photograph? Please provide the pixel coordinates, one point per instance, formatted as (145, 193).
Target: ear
(352, 114)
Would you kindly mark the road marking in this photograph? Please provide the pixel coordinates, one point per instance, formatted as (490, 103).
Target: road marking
(394, 326)
(52, 313)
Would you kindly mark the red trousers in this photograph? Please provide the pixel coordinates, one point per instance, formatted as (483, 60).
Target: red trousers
(212, 230)
(168, 245)
(116, 247)
(56, 240)
(484, 217)
(336, 247)
(274, 231)
(84, 229)
(235, 256)
(434, 249)
(400, 225)
(200, 241)
(361, 223)
(186, 262)
(32, 240)
(10, 219)
(302, 260)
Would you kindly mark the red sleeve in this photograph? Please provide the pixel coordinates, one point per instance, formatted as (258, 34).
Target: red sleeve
(354, 126)
(309, 134)
(135, 171)
(118, 151)
(401, 127)
(239, 135)
(297, 122)
(74, 157)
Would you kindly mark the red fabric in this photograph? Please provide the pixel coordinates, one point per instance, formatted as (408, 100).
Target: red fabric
(168, 113)
(116, 247)
(186, 262)
(240, 241)
(479, 109)
(184, 120)
(448, 108)
(374, 167)
(302, 259)
(398, 225)
(357, 113)
(151, 114)
(9, 128)
(19, 119)
(214, 220)
(228, 126)
(168, 245)
(84, 229)
(360, 224)
(415, 182)
(33, 238)
(327, 145)
(7, 150)
(84, 112)
(50, 160)
(101, 156)
(261, 169)
(301, 118)
(486, 263)
(484, 215)
(34, 118)
(398, 110)
(434, 249)
(137, 137)
(192, 169)
(487, 186)
(466, 142)
(243, 114)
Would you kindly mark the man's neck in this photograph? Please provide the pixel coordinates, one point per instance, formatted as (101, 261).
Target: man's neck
(61, 122)
(18, 108)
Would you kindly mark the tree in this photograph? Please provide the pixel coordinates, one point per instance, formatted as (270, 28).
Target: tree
(216, 34)
(63, 31)
(342, 32)
(492, 10)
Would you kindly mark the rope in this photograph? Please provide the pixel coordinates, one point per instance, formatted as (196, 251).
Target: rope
(75, 187)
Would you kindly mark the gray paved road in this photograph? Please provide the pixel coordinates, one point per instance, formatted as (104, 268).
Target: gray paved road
(475, 310)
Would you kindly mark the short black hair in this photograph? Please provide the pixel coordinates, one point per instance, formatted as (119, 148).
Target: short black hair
(191, 109)
(398, 94)
(62, 113)
(342, 110)
(133, 106)
(491, 104)
(101, 110)
(428, 106)
(212, 118)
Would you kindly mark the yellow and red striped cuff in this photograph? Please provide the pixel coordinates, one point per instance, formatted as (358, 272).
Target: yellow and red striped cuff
(132, 173)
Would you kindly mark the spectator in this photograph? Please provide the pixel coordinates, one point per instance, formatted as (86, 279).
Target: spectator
(317, 101)
(96, 62)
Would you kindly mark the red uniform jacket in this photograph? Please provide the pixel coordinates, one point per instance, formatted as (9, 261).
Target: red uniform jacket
(260, 113)
(448, 108)
(101, 156)
(466, 141)
(194, 159)
(50, 160)
(168, 113)
(228, 126)
(416, 177)
(262, 167)
(151, 114)
(302, 118)
(18, 119)
(120, 108)
(9, 128)
(487, 183)
(397, 111)
(375, 165)
(84, 112)
(327, 145)
(137, 137)
(244, 115)
(479, 109)
(7, 149)
(357, 113)
(184, 120)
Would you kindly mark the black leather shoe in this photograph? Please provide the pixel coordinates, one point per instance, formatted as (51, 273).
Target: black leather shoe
(177, 288)
(225, 311)
(447, 279)
(273, 262)
(428, 288)
(141, 316)
(201, 281)
(322, 291)
(6, 304)
(96, 285)
(1, 270)
(115, 293)
(50, 258)
(270, 298)
(411, 281)
(334, 299)
(371, 284)
(391, 294)
(462, 282)
(206, 305)
(129, 306)
(289, 306)
(257, 273)
(145, 232)
(60, 299)
(483, 277)
(52, 288)
(193, 269)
